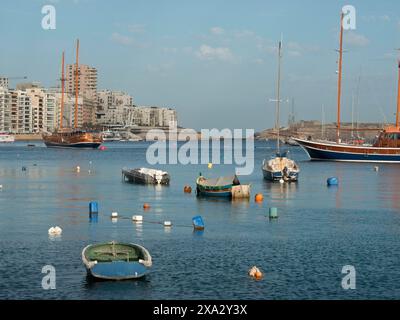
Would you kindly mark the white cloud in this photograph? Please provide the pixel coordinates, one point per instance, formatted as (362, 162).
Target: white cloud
(169, 50)
(375, 18)
(121, 39)
(294, 53)
(136, 28)
(127, 41)
(161, 69)
(355, 39)
(244, 34)
(206, 52)
(217, 30)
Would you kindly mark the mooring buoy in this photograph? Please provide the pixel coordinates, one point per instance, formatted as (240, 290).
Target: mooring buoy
(273, 213)
(332, 181)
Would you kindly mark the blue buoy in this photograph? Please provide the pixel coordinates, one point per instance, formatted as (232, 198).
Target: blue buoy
(93, 210)
(333, 181)
(198, 223)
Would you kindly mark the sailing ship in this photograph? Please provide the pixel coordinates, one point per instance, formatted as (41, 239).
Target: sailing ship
(280, 168)
(386, 147)
(71, 137)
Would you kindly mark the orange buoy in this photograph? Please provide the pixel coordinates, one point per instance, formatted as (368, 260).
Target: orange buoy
(259, 197)
(187, 189)
(258, 275)
(146, 206)
(255, 273)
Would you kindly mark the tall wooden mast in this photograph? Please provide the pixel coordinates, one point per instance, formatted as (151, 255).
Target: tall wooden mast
(76, 85)
(278, 96)
(398, 97)
(62, 90)
(339, 79)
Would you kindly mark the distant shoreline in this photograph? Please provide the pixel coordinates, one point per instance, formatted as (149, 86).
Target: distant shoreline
(28, 137)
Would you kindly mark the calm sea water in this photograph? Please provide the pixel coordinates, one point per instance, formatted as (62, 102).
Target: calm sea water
(319, 229)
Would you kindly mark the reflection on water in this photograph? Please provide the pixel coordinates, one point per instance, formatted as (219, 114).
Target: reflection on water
(311, 237)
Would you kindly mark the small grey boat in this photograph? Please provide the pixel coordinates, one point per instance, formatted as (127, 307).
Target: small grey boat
(145, 176)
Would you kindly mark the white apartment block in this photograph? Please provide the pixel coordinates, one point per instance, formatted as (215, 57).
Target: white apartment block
(87, 80)
(3, 82)
(4, 110)
(114, 108)
(20, 117)
(155, 116)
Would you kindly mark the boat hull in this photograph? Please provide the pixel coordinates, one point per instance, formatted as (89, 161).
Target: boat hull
(116, 261)
(6, 138)
(335, 152)
(226, 193)
(213, 190)
(73, 140)
(277, 175)
(118, 270)
(78, 145)
(134, 176)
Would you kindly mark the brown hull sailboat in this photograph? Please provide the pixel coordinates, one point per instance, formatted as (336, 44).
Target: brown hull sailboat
(71, 138)
(385, 149)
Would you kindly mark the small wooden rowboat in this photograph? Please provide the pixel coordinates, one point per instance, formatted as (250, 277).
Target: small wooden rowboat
(218, 187)
(145, 176)
(116, 261)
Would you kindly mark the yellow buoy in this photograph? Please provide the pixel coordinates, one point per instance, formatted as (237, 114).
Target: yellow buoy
(210, 165)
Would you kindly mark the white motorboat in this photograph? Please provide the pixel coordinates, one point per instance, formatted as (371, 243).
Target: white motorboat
(6, 137)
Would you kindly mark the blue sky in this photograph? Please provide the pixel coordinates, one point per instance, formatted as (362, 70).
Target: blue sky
(214, 61)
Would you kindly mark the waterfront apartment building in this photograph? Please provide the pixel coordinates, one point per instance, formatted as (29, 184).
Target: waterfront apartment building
(4, 110)
(33, 109)
(87, 80)
(3, 82)
(87, 90)
(155, 116)
(114, 108)
(20, 112)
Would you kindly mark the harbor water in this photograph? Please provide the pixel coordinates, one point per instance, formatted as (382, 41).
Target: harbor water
(319, 230)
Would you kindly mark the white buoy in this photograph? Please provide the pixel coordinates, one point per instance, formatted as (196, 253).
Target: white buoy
(281, 181)
(78, 168)
(55, 231)
(1, 186)
(137, 218)
(376, 168)
(167, 224)
(114, 215)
